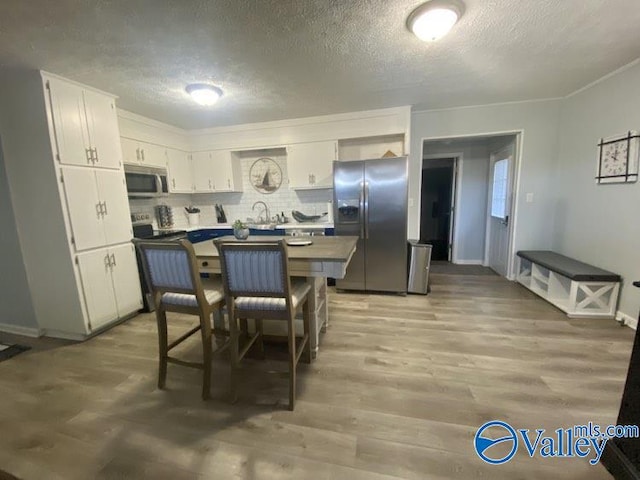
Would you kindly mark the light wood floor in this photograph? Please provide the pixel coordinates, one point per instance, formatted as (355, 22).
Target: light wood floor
(398, 390)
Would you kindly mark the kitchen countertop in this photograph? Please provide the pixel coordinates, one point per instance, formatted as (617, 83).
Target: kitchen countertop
(282, 226)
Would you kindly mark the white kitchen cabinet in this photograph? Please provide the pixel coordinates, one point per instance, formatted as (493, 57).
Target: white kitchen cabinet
(180, 174)
(126, 281)
(98, 207)
(116, 218)
(85, 126)
(135, 152)
(110, 284)
(202, 167)
(216, 171)
(62, 158)
(310, 165)
(227, 175)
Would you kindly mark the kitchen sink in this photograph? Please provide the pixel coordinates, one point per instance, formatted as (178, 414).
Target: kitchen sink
(262, 226)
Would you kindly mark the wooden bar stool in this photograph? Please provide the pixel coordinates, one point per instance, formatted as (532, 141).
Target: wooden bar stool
(171, 270)
(257, 286)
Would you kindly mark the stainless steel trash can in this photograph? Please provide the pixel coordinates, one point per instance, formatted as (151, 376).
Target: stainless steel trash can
(419, 264)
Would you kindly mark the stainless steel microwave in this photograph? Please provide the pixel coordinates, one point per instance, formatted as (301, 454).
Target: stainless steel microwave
(146, 182)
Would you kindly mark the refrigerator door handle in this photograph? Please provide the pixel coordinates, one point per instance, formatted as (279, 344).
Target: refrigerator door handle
(366, 210)
(361, 205)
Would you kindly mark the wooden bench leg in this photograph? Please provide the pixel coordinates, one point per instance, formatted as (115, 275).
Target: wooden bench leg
(205, 324)
(292, 361)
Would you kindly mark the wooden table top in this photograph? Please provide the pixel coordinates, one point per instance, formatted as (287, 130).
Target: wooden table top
(323, 249)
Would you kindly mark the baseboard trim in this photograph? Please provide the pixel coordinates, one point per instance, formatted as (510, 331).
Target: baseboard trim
(468, 262)
(18, 330)
(627, 320)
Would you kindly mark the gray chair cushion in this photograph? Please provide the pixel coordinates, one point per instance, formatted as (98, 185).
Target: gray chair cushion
(254, 271)
(298, 292)
(186, 300)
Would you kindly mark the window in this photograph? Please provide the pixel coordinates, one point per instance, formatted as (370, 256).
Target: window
(500, 187)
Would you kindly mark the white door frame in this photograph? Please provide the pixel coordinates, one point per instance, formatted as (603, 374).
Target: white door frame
(519, 134)
(457, 176)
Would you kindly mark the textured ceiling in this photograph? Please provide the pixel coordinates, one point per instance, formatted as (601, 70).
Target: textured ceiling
(280, 59)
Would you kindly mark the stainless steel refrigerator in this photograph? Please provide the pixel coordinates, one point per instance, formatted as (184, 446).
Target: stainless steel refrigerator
(370, 202)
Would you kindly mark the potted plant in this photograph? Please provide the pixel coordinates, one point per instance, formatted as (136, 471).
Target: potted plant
(193, 215)
(240, 230)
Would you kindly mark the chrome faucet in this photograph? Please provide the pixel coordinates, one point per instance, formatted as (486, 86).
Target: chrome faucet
(265, 211)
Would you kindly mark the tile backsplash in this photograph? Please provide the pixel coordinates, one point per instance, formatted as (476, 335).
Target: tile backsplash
(239, 205)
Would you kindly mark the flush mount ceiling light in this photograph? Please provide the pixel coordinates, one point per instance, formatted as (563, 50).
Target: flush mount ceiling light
(433, 20)
(203, 93)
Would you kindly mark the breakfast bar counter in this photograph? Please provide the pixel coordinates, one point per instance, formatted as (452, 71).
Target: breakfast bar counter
(324, 257)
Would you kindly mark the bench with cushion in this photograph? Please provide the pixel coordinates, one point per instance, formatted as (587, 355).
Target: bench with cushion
(577, 288)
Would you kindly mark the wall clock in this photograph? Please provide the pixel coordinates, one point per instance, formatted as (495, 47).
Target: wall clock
(618, 158)
(265, 175)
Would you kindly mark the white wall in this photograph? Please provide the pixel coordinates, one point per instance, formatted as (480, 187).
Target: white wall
(16, 308)
(471, 217)
(599, 224)
(539, 123)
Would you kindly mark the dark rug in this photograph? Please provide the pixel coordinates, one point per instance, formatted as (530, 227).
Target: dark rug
(446, 268)
(8, 351)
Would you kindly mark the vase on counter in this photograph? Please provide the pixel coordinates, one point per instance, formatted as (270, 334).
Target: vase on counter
(241, 233)
(194, 219)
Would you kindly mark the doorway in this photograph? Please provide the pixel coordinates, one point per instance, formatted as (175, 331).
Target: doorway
(437, 203)
(467, 209)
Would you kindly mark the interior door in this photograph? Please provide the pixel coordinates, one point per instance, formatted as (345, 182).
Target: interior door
(84, 207)
(70, 123)
(103, 129)
(348, 204)
(112, 193)
(126, 281)
(452, 210)
(500, 205)
(97, 285)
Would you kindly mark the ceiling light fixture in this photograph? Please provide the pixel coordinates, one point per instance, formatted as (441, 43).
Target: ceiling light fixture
(203, 93)
(433, 20)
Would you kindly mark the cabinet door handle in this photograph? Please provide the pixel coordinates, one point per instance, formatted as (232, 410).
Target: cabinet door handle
(105, 211)
(112, 260)
(138, 154)
(107, 261)
(94, 155)
(228, 183)
(210, 185)
(142, 153)
(87, 151)
(173, 182)
(99, 210)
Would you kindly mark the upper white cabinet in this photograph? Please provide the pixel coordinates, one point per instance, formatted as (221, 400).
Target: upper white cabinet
(85, 126)
(202, 167)
(310, 165)
(227, 175)
(135, 152)
(216, 171)
(98, 207)
(371, 147)
(180, 174)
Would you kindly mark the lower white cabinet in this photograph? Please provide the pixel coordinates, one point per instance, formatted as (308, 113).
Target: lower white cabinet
(180, 175)
(110, 284)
